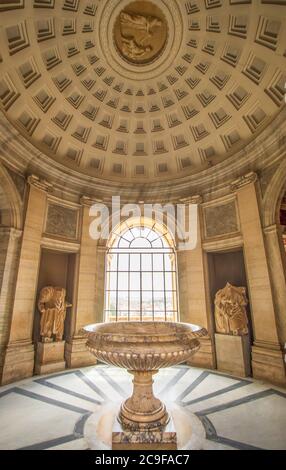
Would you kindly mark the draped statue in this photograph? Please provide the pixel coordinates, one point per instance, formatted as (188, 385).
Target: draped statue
(230, 311)
(52, 306)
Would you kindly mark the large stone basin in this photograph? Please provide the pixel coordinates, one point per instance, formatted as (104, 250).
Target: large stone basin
(143, 348)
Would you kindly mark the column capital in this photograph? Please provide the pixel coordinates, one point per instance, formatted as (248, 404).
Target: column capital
(242, 181)
(89, 201)
(196, 199)
(39, 183)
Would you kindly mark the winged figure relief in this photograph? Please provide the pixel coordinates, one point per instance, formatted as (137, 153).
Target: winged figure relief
(136, 31)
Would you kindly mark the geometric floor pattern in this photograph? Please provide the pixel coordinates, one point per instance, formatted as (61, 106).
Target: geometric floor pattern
(50, 412)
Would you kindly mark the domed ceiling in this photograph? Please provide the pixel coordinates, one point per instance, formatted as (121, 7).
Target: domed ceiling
(140, 89)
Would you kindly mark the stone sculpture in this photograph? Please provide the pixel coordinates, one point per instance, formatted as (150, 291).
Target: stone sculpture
(52, 306)
(137, 33)
(143, 348)
(230, 311)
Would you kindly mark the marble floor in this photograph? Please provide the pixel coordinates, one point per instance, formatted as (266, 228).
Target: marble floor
(51, 412)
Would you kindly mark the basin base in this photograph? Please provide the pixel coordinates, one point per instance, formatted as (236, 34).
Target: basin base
(100, 425)
(165, 439)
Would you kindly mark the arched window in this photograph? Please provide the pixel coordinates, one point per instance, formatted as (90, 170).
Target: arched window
(141, 278)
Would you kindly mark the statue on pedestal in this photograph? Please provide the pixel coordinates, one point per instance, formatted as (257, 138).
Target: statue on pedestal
(230, 311)
(52, 306)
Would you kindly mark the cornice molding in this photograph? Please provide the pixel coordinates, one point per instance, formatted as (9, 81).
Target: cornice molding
(89, 201)
(39, 183)
(242, 181)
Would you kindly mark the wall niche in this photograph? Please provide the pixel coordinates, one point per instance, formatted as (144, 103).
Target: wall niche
(57, 269)
(233, 352)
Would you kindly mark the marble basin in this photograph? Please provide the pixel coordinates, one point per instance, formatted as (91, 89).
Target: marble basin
(143, 348)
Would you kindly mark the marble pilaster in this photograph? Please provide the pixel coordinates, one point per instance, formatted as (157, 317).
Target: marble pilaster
(19, 356)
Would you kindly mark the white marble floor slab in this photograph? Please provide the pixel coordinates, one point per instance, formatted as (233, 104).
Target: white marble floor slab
(50, 412)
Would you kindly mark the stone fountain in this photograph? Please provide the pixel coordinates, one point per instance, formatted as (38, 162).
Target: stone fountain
(143, 348)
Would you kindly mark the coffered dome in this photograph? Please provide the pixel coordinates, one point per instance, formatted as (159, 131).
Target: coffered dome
(141, 90)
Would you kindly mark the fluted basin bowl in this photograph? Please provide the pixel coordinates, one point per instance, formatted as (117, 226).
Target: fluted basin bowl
(143, 348)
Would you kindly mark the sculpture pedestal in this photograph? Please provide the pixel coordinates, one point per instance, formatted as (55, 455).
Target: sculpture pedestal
(50, 357)
(233, 354)
(165, 439)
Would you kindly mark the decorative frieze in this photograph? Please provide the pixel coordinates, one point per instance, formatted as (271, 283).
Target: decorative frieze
(220, 220)
(62, 221)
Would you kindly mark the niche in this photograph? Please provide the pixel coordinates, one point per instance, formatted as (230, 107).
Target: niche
(232, 352)
(56, 269)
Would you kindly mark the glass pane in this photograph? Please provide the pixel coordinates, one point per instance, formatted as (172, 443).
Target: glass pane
(171, 316)
(147, 281)
(169, 262)
(157, 243)
(135, 232)
(158, 262)
(111, 300)
(123, 281)
(140, 243)
(128, 235)
(134, 316)
(122, 316)
(145, 232)
(170, 300)
(113, 263)
(158, 281)
(146, 261)
(159, 301)
(134, 299)
(134, 281)
(123, 243)
(159, 316)
(112, 280)
(110, 316)
(169, 281)
(122, 301)
(123, 264)
(147, 304)
(152, 235)
(134, 262)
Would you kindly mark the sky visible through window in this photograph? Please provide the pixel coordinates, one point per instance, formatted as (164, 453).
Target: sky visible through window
(140, 277)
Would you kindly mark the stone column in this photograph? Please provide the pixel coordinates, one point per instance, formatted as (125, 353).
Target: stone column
(76, 353)
(193, 292)
(19, 356)
(276, 261)
(9, 257)
(267, 356)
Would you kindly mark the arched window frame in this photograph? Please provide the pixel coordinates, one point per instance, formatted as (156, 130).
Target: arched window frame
(160, 301)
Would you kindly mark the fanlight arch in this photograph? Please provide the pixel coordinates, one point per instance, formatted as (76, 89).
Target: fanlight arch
(141, 274)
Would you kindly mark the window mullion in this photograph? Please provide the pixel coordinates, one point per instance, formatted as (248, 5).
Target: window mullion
(141, 287)
(117, 287)
(152, 275)
(164, 278)
(129, 275)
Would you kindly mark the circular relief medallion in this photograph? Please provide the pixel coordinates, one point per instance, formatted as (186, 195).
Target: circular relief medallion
(140, 32)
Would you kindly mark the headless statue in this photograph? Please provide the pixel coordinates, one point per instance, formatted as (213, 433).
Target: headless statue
(52, 306)
(230, 311)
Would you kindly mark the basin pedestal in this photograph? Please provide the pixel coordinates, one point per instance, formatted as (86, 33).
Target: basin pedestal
(142, 411)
